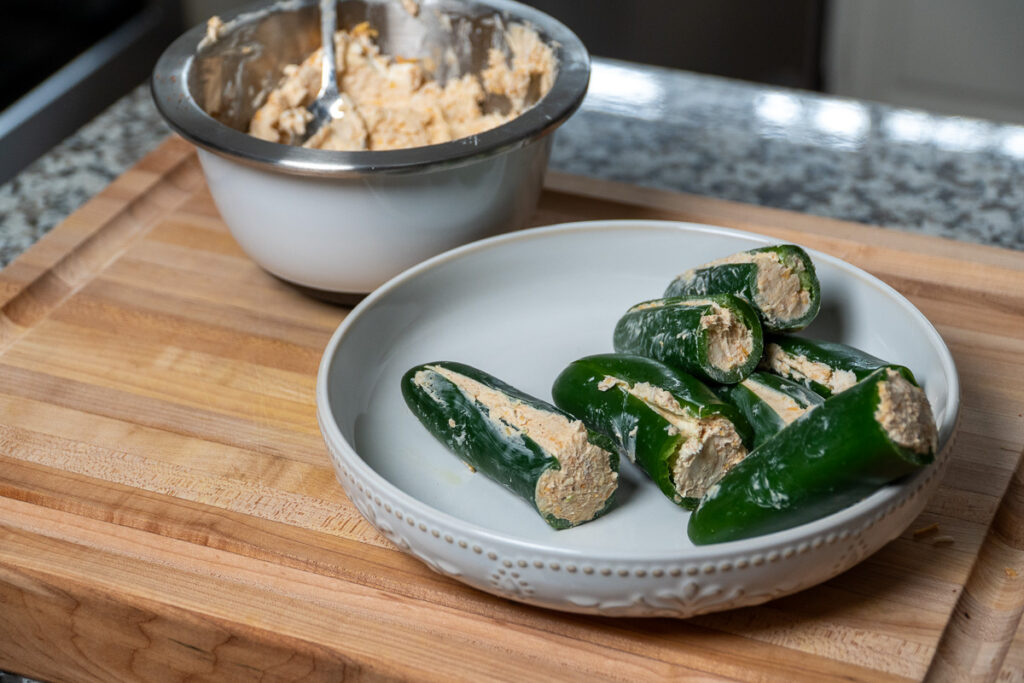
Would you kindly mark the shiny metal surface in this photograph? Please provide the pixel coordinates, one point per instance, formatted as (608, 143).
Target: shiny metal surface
(208, 91)
(328, 104)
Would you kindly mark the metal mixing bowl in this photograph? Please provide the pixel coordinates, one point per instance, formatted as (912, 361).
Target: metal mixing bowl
(348, 221)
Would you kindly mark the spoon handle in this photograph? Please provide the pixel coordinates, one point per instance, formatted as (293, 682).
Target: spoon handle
(329, 73)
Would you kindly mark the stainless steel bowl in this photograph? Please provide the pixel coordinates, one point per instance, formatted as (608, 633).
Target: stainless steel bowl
(295, 210)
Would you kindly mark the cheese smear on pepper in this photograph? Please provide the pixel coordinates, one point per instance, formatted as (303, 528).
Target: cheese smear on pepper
(580, 488)
(780, 294)
(802, 368)
(784, 405)
(711, 445)
(661, 303)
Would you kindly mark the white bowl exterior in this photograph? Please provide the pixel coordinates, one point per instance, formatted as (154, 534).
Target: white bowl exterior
(680, 587)
(352, 234)
(502, 551)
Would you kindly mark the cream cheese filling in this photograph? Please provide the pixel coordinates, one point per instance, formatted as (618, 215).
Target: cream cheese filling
(214, 30)
(392, 103)
(711, 445)
(780, 295)
(802, 368)
(730, 342)
(905, 414)
(784, 405)
(584, 482)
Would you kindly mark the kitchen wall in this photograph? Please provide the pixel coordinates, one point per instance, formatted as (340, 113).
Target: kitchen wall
(767, 42)
(948, 56)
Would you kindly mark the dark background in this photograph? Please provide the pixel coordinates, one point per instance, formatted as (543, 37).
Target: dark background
(771, 42)
(776, 42)
(37, 37)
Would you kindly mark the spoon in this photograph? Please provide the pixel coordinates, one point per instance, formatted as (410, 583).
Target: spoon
(329, 105)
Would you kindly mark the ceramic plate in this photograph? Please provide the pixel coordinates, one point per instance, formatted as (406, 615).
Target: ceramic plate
(522, 306)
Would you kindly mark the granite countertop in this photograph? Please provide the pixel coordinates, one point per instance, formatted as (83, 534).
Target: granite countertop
(949, 176)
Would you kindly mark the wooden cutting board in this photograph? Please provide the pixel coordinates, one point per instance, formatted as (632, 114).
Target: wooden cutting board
(168, 510)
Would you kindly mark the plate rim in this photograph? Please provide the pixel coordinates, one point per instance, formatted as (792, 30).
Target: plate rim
(860, 515)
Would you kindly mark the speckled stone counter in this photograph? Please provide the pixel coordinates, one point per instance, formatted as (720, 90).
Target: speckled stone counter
(948, 176)
(48, 190)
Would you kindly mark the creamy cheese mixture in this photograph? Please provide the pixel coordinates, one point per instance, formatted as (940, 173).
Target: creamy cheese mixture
(581, 487)
(784, 405)
(905, 414)
(214, 29)
(801, 368)
(780, 295)
(711, 446)
(730, 342)
(390, 103)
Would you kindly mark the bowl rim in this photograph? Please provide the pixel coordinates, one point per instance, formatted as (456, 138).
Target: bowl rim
(860, 515)
(174, 101)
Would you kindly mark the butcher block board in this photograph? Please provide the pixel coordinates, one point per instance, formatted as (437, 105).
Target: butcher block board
(168, 510)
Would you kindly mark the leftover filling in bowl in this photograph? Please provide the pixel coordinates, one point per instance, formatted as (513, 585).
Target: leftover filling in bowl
(392, 103)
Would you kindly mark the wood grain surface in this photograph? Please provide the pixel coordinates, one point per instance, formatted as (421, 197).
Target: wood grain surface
(168, 510)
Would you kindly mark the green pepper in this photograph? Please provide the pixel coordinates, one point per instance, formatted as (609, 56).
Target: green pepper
(779, 281)
(836, 454)
(824, 367)
(669, 423)
(716, 338)
(542, 454)
(769, 402)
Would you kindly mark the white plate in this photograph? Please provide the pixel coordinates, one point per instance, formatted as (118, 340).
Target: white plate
(522, 306)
